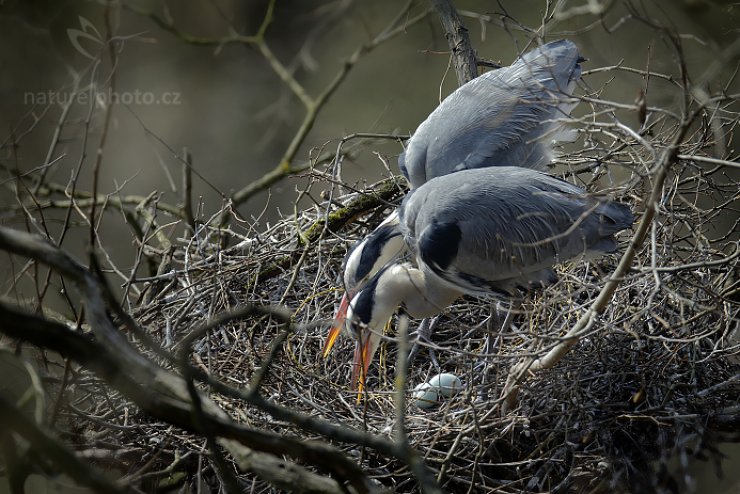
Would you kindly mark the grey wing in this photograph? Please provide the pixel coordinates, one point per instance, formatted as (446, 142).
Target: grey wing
(498, 118)
(505, 227)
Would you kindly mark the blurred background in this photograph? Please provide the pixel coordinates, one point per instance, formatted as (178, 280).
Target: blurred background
(224, 103)
(227, 106)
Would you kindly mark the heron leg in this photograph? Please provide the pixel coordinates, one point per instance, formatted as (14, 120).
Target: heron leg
(494, 328)
(424, 333)
(497, 325)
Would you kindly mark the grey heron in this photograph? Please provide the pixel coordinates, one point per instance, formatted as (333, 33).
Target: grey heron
(486, 231)
(508, 116)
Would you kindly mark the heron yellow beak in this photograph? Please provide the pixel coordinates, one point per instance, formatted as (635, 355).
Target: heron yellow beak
(364, 353)
(367, 345)
(337, 327)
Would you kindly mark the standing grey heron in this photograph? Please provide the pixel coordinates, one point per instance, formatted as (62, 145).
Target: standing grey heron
(487, 231)
(509, 116)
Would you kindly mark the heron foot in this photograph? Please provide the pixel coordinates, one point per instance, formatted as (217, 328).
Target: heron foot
(423, 334)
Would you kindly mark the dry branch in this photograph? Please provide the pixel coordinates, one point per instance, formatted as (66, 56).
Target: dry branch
(461, 50)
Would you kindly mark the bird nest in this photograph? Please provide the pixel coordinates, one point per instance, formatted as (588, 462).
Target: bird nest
(652, 378)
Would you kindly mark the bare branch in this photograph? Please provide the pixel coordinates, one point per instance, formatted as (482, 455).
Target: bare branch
(463, 55)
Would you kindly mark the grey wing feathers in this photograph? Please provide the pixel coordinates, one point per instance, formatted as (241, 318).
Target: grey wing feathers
(512, 225)
(498, 119)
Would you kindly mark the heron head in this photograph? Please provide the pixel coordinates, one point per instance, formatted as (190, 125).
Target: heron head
(355, 316)
(356, 274)
(365, 316)
(361, 323)
(362, 266)
(345, 315)
(370, 311)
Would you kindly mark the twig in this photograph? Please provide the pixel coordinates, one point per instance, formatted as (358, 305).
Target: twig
(44, 443)
(462, 53)
(187, 189)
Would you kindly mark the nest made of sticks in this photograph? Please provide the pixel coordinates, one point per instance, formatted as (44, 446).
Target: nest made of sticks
(655, 377)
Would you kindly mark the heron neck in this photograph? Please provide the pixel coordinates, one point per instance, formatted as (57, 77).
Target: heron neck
(421, 295)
